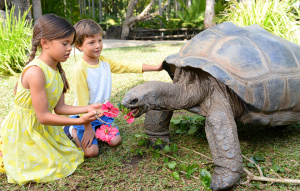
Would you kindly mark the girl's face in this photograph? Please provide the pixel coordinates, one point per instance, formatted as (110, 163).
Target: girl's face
(60, 49)
(92, 47)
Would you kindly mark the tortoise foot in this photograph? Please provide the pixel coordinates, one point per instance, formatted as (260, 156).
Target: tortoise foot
(223, 178)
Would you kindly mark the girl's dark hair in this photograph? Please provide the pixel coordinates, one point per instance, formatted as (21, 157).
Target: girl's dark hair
(51, 27)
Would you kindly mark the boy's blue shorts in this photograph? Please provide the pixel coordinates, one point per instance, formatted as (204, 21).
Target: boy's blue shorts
(95, 124)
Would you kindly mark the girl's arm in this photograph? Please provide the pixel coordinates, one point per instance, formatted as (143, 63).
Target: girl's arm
(148, 68)
(34, 79)
(63, 109)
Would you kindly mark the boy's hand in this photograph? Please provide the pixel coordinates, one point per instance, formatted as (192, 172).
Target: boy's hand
(159, 67)
(88, 136)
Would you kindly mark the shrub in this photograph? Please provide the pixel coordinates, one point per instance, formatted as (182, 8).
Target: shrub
(279, 17)
(15, 40)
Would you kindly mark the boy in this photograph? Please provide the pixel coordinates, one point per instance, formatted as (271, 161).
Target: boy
(92, 82)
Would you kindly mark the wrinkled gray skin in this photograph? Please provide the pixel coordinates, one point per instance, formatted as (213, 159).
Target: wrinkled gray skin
(214, 98)
(225, 73)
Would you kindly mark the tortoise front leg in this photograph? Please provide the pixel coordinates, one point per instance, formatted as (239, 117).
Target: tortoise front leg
(157, 124)
(221, 132)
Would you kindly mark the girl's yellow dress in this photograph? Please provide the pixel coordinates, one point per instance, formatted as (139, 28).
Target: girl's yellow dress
(32, 151)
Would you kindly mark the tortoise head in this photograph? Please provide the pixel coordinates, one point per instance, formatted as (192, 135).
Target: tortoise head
(143, 98)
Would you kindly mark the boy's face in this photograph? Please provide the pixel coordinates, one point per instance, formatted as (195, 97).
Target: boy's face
(92, 46)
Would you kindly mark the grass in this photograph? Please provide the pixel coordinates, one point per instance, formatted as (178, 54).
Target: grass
(134, 167)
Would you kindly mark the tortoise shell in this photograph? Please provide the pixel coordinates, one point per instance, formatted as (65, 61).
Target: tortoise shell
(261, 68)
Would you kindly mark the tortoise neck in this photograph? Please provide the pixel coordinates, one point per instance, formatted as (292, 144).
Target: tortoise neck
(189, 89)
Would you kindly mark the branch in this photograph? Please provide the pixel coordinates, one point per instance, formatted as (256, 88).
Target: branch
(258, 168)
(262, 178)
(196, 153)
(145, 13)
(251, 176)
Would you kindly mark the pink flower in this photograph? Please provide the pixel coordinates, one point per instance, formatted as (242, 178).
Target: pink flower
(106, 133)
(109, 110)
(129, 117)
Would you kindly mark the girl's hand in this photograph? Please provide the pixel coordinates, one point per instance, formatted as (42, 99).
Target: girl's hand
(96, 108)
(89, 117)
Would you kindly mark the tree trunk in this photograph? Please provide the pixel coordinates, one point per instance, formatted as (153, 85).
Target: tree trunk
(130, 20)
(93, 9)
(37, 9)
(20, 7)
(100, 10)
(84, 6)
(209, 13)
(188, 3)
(127, 24)
(89, 8)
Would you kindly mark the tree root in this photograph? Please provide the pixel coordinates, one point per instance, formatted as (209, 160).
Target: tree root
(252, 177)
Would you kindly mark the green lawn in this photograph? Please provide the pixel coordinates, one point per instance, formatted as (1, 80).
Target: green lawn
(134, 167)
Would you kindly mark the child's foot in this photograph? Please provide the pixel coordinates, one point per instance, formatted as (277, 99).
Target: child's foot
(68, 131)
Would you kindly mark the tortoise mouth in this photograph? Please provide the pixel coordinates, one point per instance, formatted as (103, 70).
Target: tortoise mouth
(134, 111)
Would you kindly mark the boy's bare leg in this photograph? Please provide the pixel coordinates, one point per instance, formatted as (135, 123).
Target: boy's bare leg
(91, 151)
(116, 141)
(75, 138)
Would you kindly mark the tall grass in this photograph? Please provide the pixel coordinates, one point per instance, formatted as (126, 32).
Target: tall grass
(15, 40)
(279, 17)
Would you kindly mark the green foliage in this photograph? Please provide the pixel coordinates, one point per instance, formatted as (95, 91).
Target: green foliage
(192, 16)
(69, 11)
(206, 178)
(189, 125)
(189, 169)
(279, 17)
(15, 40)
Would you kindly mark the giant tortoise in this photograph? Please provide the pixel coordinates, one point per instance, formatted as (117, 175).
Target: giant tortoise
(225, 73)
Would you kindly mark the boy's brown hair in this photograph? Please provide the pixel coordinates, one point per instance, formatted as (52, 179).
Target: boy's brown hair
(86, 28)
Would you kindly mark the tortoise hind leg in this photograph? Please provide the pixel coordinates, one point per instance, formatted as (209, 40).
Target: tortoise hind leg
(221, 132)
(157, 124)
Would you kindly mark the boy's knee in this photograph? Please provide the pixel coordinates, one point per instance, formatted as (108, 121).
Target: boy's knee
(91, 151)
(74, 132)
(116, 141)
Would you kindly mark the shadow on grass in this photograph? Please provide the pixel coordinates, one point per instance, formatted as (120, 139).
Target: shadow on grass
(259, 134)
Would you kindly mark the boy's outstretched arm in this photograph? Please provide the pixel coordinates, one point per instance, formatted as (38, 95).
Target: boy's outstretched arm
(148, 68)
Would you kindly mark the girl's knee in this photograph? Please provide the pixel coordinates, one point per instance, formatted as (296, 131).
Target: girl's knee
(91, 151)
(116, 141)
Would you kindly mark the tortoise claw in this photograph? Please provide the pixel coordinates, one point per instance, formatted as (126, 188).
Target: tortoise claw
(223, 179)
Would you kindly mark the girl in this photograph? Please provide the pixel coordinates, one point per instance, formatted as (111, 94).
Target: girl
(34, 147)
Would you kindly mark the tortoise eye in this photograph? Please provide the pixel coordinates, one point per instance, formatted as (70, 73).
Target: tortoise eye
(134, 101)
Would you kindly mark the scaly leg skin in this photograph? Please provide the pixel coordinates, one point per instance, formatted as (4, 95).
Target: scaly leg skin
(157, 125)
(221, 132)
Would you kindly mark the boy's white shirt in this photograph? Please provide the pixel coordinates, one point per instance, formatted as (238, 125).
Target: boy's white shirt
(92, 83)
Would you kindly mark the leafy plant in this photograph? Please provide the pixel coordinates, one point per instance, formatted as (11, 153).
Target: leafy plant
(279, 17)
(206, 178)
(189, 169)
(189, 125)
(192, 16)
(15, 40)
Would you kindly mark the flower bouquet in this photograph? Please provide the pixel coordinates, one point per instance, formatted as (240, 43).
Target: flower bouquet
(106, 132)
